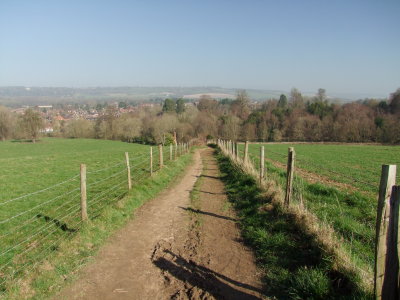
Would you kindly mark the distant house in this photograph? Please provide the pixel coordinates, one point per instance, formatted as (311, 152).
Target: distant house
(47, 129)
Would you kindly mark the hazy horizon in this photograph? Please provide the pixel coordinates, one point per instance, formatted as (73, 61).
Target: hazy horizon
(348, 48)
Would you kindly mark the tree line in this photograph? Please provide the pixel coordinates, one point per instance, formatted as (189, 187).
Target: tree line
(290, 118)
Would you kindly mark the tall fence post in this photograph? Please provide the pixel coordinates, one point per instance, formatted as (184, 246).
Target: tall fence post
(170, 152)
(384, 214)
(84, 215)
(289, 176)
(390, 288)
(246, 151)
(160, 155)
(151, 161)
(262, 161)
(237, 151)
(128, 168)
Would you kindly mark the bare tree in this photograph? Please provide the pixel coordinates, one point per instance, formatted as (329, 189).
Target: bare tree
(128, 127)
(80, 128)
(6, 123)
(31, 123)
(240, 107)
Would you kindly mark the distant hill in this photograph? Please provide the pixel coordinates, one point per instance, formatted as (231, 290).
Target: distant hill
(20, 95)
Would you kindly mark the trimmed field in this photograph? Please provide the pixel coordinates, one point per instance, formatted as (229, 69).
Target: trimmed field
(40, 194)
(339, 184)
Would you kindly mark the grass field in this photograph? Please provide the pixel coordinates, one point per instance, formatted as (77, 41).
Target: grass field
(358, 165)
(346, 197)
(40, 195)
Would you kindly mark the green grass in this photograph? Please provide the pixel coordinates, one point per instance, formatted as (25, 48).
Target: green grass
(34, 227)
(351, 212)
(295, 267)
(358, 165)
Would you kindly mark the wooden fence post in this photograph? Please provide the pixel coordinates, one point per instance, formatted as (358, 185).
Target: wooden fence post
(246, 152)
(261, 164)
(151, 161)
(160, 155)
(176, 151)
(237, 151)
(388, 180)
(170, 152)
(289, 176)
(390, 289)
(129, 170)
(84, 215)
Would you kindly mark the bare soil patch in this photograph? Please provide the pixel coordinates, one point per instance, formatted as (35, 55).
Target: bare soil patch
(172, 250)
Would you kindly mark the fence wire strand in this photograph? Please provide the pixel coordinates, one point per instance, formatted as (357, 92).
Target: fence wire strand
(43, 226)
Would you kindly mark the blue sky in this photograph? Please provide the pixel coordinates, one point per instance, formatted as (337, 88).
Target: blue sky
(342, 46)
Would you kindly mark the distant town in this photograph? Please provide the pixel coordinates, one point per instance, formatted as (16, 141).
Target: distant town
(53, 114)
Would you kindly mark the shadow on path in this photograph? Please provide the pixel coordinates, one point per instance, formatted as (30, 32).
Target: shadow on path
(204, 278)
(198, 211)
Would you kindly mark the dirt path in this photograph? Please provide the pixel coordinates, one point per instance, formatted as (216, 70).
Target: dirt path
(175, 248)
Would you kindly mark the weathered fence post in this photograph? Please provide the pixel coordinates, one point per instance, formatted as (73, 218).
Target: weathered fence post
(384, 215)
(128, 168)
(84, 215)
(246, 152)
(170, 152)
(176, 151)
(151, 161)
(289, 176)
(237, 151)
(390, 289)
(261, 164)
(160, 155)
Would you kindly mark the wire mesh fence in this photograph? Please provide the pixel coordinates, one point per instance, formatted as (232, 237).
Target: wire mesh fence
(33, 225)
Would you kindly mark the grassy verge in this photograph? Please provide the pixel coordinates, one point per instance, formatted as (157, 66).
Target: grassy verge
(348, 213)
(295, 265)
(351, 213)
(63, 263)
